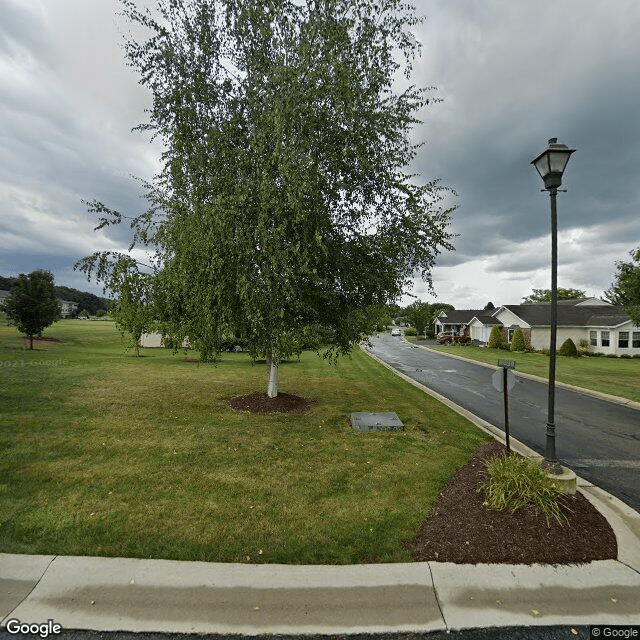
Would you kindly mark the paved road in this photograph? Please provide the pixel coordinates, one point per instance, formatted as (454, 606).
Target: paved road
(599, 440)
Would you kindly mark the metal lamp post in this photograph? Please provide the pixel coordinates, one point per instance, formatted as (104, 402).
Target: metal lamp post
(550, 164)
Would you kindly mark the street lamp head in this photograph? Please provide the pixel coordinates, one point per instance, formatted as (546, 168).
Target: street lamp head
(551, 163)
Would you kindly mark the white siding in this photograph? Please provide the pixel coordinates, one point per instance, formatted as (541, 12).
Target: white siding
(151, 340)
(479, 331)
(613, 340)
(541, 336)
(509, 318)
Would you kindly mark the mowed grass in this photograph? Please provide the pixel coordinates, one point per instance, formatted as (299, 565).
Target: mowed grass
(617, 376)
(103, 453)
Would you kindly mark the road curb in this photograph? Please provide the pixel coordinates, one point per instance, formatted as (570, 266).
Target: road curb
(624, 520)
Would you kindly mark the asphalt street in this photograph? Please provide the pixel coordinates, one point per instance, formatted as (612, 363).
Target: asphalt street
(597, 439)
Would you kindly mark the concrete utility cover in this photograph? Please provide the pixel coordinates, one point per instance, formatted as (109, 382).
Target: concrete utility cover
(365, 421)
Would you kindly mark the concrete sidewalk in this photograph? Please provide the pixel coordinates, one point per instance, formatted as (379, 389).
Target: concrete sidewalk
(117, 594)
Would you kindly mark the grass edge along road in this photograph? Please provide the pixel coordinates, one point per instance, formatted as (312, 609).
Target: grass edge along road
(106, 454)
(615, 376)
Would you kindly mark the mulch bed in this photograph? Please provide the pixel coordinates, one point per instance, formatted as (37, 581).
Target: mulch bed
(262, 403)
(464, 531)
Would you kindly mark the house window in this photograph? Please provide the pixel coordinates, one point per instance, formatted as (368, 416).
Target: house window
(636, 340)
(511, 335)
(593, 338)
(604, 338)
(623, 339)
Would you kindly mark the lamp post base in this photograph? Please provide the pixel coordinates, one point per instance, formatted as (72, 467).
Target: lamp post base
(564, 479)
(552, 467)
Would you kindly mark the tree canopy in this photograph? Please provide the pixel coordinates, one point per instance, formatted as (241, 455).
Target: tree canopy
(284, 200)
(544, 295)
(32, 305)
(85, 300)
(625, 289)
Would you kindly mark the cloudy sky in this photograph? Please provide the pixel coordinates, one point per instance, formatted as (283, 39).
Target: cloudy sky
(510, 75)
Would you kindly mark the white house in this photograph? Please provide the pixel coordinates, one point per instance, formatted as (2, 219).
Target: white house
(456, 320)
(604, 326)
(480, 327)
(157, 340)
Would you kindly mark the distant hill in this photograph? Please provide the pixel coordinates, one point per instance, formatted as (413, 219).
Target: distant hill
(88, 301)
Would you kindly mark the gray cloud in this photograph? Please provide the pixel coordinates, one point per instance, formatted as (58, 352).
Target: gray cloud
(510, 75)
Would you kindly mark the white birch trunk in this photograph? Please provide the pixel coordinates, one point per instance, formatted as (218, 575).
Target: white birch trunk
(272, 372)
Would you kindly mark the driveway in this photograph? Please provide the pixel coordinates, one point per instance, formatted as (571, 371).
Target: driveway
(599, 440)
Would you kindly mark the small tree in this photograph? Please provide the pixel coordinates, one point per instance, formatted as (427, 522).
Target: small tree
(518, 342)
(625, 290)
(544, 295)
(420, 315)
(84, 314)
(568, 348)
(32, 305)
(496, 341)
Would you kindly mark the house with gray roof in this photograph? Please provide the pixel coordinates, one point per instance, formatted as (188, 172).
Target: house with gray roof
(456, 320)
(606, 328)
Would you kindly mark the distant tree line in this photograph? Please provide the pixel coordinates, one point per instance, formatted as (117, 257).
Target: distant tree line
(86, 301)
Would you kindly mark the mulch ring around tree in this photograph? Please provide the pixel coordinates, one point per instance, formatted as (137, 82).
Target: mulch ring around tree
(262, 403)
(464, 531)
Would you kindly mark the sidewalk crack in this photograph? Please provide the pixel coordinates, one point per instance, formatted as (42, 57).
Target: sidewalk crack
(4, 620)
(435, 593)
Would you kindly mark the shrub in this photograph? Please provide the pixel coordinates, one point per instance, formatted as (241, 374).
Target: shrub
(610, 355)
(626, 355)
(597, 354)
(518, 342)
(544, 351)
(515, 482)
(410, 332)
(496, 341)
(584, 348)
(637, 355)
(568, 348)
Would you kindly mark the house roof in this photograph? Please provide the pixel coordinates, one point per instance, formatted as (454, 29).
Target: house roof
(578, 315)
(487, 320)
(612, 320)
(572, 302)
(459, 316)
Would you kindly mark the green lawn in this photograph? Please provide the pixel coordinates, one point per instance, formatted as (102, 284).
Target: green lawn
(103, 453)
(617, 376)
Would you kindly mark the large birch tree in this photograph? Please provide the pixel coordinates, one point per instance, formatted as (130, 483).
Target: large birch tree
(284, 197)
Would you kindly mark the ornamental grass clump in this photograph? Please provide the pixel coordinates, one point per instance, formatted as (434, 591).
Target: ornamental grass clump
(515, 482)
